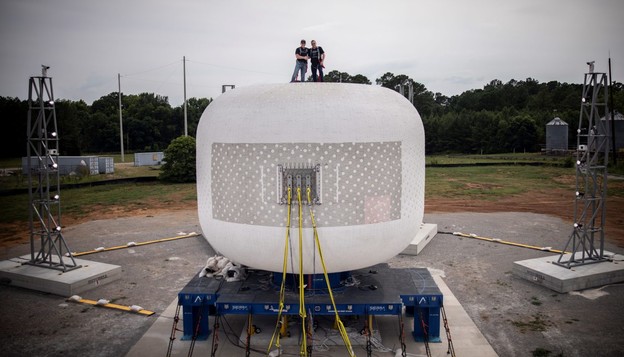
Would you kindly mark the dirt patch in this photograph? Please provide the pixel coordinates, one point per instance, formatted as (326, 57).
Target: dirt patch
(18, 232)
(552, 202)
(557, 203)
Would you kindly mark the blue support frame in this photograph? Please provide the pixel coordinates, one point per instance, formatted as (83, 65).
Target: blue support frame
(314, 282)
(382, 291)
(231, 307)
(426, 307)
(196, 308)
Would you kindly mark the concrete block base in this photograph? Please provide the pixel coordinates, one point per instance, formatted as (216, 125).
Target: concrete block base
(542, 271)
(425, 234)
(90, 275)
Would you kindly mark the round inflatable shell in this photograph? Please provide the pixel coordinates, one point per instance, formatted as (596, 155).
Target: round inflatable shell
(358, 149)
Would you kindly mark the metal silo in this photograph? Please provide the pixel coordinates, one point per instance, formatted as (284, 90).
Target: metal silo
(619, 130)
(557, 135)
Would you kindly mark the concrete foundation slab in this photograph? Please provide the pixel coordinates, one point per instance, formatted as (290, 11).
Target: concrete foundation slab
(425, 234)
(90, 275)
(542, 271)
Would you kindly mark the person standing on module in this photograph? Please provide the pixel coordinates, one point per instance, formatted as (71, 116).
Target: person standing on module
(317, 55)
(302, 55)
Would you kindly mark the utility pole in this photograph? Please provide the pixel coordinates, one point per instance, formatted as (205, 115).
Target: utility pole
(184, 73)
(120, 119)
(615, 154)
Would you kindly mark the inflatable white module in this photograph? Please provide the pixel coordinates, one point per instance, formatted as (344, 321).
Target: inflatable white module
(360, 149)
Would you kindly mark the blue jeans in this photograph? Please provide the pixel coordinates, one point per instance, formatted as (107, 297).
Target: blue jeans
(317, 67)
(300, 65)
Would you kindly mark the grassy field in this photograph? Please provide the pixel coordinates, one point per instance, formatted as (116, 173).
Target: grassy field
(495, 158)
(474, 182)
(79, 202)
(123, 170)
(127, 169)
(492, 182)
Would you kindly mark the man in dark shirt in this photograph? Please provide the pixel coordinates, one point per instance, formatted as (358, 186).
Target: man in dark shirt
(317, 55)
(302, 55)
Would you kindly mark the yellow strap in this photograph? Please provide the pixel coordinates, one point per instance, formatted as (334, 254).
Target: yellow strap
(282, 295)
(115, 306)
(341, 327)
(496, 240)
(303, 351)
(134, 245)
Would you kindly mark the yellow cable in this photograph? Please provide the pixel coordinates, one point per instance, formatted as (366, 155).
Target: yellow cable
(283, 285)
(134, 245)
(496, 240)
(303, 351)
(341, 327)
(115, 306)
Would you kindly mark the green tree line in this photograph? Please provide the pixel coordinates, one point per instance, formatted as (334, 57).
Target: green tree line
(150, 123)
(500, 117)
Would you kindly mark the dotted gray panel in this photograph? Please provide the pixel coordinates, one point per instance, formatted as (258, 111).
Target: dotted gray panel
(361, 182)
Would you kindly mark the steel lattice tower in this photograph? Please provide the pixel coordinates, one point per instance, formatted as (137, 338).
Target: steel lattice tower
(586, 242)
(43, 179)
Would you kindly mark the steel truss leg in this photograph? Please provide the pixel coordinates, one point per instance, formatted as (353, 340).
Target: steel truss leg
(42, 153)
(586, 242)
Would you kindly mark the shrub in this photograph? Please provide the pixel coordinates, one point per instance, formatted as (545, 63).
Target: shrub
(179, 160)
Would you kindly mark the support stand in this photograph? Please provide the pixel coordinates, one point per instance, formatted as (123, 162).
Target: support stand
(586, 241)
(381, 291)
(43, 179)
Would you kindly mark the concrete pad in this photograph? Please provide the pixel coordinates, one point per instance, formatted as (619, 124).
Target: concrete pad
(467, 339)
(425, 234)
(542, 271)
(90, 275)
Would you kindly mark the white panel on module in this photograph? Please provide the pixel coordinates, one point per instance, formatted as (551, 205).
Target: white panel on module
(359, 147)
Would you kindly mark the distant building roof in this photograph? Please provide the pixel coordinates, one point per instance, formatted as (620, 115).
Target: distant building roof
(557, 121)
(618, 116)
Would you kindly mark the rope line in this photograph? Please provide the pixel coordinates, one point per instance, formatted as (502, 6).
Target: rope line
(282, 295)
(303, 351)
(341, 327)
(133, 244)
(501, 241)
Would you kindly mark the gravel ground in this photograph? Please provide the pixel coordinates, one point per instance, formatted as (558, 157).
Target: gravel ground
(517, 317)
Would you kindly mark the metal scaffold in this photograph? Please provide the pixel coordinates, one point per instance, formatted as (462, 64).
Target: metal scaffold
(47, 245)
(586, 242)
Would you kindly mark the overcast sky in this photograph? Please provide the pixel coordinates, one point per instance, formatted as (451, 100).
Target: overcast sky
(448, 45)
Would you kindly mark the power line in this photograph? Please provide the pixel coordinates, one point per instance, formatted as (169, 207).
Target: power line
(233, 68)
(153, 81)
(151, 69)
(170, 76)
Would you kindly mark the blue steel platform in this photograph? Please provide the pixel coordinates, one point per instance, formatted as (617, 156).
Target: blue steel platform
(380, 291)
